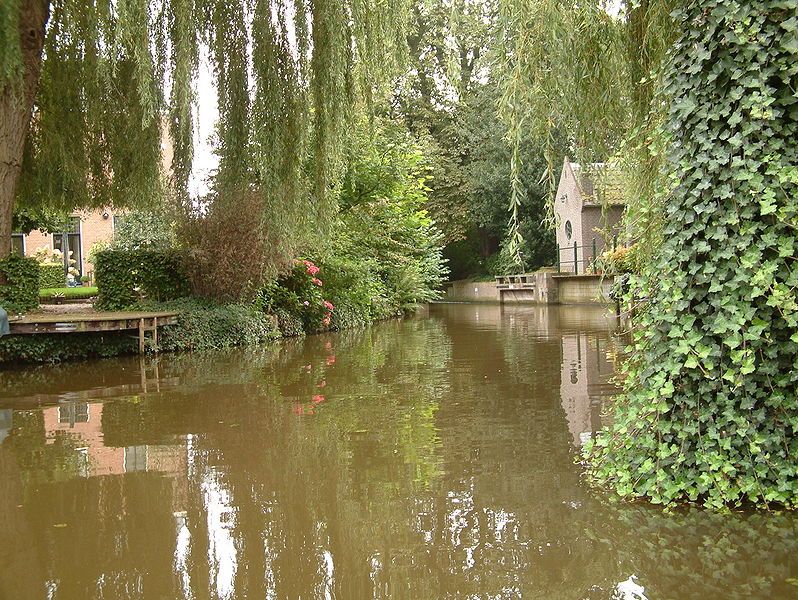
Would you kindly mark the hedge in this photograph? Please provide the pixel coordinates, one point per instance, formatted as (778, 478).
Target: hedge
(20, 293)
(51, 276)
(124, 277)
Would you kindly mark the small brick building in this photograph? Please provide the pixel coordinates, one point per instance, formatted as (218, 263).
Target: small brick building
(588, 207)
(84, 229)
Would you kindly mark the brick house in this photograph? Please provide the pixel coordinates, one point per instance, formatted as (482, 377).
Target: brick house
(588, 208)
(84, 229)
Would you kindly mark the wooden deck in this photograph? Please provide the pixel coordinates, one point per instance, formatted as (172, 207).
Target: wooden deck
(76, 322)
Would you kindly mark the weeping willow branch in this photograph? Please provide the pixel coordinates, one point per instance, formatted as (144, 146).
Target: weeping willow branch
(289, 76)
(573, 69)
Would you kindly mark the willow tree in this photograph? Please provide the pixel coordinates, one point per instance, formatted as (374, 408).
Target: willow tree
(572, 70)
(86, 86)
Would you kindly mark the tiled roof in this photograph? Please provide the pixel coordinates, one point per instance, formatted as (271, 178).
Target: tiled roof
(600, 184)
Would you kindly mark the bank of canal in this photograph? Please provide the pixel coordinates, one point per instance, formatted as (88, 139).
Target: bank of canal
(427, 458)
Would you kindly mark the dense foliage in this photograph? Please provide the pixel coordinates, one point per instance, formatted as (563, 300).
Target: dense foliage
(20, 293)
(386, 253)
(51, 276)
(125, 277)
(57, 347)
(144, 230)
(296, 299)
(711, 409)
(448, 100)
(208, 326)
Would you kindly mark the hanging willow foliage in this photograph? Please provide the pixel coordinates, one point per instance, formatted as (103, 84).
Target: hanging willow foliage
(289, 75)
(573, 69)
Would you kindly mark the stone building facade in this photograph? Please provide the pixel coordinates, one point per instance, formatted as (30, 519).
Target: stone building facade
(588, 208)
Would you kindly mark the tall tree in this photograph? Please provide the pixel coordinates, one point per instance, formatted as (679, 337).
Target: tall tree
(84, 87)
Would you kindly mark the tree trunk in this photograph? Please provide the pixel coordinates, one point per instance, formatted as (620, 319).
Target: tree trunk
(16, 107)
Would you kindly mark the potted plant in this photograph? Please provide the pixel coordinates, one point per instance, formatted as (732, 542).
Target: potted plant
(85, 280)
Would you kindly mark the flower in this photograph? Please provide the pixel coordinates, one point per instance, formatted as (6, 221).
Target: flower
(317, 281)
(318, 398)
(310, 268)
(326, 321)
(306, 303)
(328, 305)
(330, 360)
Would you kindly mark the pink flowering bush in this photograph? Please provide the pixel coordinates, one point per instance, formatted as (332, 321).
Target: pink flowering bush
(297, 300)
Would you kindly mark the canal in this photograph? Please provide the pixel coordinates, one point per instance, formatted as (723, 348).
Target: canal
(434, 457)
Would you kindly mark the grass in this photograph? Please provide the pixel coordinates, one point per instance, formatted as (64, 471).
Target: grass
(74, 293)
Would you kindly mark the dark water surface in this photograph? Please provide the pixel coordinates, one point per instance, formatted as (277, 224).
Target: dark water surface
(423, 459)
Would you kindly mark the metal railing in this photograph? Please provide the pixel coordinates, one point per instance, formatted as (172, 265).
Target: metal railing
(569, 258)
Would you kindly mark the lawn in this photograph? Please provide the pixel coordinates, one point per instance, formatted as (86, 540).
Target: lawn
(74, 293)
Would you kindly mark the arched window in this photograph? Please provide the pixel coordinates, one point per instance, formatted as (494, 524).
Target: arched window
(569, 230)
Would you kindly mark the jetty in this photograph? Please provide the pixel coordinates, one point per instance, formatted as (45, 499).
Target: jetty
(86, 322)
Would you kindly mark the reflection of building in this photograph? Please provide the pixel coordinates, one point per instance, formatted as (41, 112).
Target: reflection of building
(6, 420)
(586, 379)
(83, 422)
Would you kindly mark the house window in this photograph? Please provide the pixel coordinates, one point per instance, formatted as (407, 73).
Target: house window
(569, 230)
(18, 244)
(74, 412)
(69, 241)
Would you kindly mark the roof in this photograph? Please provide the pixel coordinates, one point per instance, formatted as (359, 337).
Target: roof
(599, 184)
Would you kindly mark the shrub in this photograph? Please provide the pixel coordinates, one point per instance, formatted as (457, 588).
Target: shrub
(51, 267)
(20, 292)
(233, 252)
(204, 325)
(297, 296)
(51, 276)
(125, 277)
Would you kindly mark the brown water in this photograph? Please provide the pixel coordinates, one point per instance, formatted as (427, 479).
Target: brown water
(424, 459)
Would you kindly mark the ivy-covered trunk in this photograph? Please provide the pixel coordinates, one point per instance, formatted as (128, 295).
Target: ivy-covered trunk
(711, 408)
(17, 95)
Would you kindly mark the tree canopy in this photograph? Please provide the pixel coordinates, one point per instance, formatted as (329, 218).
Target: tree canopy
(114, 75)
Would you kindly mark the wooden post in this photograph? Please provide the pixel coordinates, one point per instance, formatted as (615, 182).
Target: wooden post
(576, 261)
(155, 334)
(141, 336)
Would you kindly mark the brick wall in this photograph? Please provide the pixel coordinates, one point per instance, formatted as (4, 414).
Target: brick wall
(568, 208)
(94, 227)
(594, 222)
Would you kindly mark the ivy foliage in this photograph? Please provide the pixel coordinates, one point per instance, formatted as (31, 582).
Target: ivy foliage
(20, 292)
(206, 325)
(125, 277)
(710, 414)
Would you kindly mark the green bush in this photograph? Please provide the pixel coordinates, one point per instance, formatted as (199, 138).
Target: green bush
(204, 325)
(51, 276)
(20, 293)
(125, 277)
(297, 297)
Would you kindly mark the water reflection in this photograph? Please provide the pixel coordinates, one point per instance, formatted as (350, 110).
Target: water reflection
(430, 458)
